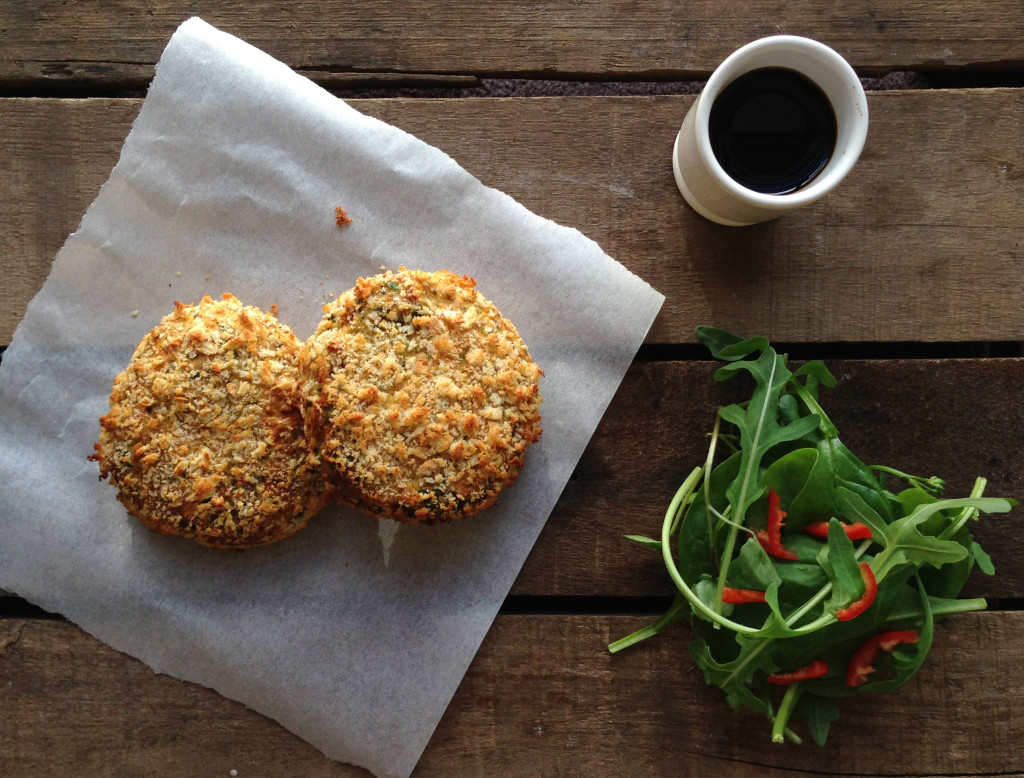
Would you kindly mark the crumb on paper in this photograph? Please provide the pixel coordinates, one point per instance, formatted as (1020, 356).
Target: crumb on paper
(135, 314)
(178, 274)
(341, 217)
(207, 277)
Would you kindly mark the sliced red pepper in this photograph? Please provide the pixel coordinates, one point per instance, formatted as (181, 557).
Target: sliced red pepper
(854, 609)
(739, 596)
(771, 538)
(859, 668)
(815, 669)
(856, 531)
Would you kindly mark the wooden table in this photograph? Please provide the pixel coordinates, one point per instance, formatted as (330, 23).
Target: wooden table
(907, 281)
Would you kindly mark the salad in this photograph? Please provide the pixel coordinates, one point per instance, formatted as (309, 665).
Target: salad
(805, 576)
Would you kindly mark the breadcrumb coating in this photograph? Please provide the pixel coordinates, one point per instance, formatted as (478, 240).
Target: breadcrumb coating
(204, 437)
(421, 395)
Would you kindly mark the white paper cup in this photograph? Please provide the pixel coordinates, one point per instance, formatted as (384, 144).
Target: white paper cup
(705, 184)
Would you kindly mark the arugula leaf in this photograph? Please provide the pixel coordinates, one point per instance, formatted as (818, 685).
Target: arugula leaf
(758, 424)
(735, 676)
(920, 553)
(819, 712)
(981, 557)
(644, 541)
(839, 561)
(754, 568)
(726, 346)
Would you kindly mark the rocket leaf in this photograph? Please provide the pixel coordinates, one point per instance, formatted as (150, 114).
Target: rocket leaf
(920, 552)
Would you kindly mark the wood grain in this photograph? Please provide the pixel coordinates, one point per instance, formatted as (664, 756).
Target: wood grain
(542, 697)
(921, 243)
(653, 434)
(90, 45)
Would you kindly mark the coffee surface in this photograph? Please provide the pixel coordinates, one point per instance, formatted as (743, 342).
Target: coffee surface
(772, 130)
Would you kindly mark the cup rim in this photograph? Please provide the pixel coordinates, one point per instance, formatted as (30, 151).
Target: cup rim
(828, 179)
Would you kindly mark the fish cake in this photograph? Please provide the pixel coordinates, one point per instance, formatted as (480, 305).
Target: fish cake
(421, 396)
(204, 437)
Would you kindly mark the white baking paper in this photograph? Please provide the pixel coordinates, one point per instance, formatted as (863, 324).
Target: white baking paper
(353, 638)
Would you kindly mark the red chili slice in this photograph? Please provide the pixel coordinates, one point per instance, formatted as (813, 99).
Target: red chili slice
(859, 668)
(739, 596)
(854, 609)
(771, 538)
(856, 531)
(815, 669)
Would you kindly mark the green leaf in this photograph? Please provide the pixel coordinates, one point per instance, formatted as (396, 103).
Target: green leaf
(904, 540)
(839, 561)
(645, 541)
(790, 477)
(753, 568)
(854, 475)
(695, 547)
(782, 439)
(736, 676)
(950, 579)
(816, 500)
(906, 661)
(853, 508)
(726, 346)
(758, 424)
(705, 591)
(819, 713)
(982, 558)
(815, 370)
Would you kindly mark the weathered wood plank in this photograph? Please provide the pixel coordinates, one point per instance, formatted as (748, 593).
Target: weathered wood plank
(93, 43)
(922, 243)
(542, 697)
(653, 434)
(958, 419)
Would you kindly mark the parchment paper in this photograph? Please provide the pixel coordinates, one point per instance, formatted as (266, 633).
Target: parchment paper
(228, 182)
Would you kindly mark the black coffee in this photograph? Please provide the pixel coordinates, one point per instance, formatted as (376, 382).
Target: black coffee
(772, 130)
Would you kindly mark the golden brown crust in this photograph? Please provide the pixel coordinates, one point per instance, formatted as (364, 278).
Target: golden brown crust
(422, 396)
(204, 436)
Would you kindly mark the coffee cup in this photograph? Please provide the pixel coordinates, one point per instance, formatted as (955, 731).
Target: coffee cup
(778, 125)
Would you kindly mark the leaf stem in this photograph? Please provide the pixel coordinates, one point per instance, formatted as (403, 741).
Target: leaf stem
(670, 522)
(707, 488)
(779, 728)
(824, 422)
(933, 485)
(741, 507)
(967, 513)
(673, 615)
(941, 608)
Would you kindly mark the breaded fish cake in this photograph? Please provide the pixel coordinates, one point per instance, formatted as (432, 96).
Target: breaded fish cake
(421, 395)
(204, 437)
